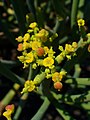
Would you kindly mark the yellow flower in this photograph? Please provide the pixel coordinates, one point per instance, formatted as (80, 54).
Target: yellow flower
(21, 58)
(19, 39)
(69, 48)
(26, 37)
(39, 62)
(46, 49)
(36, 45)
(74, 45)
(28, 86)
(33, 25)
(34, 65)
(9, 110)
(43, 34)
(26, 45)
(56, 77)
(81, 22)
(51, 52)
(61, 48)
(48, 62)
(29, 57)
(63, 73)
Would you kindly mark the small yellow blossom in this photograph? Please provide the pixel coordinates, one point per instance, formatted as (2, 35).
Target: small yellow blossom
(74, 45)
(34, 65)
(26, 37)
(35, 45)
(61, 48)
(28, 86)
(26, 45)
(46, 49)
(33, 25)
(56, 77)
(51, 52)
(19, 39)
(63, 73)
(69, 48)
(9, 110)
(39, 62)
(47, 70)
(48, 61)
(81, 22)
(43, 34)
(29, 58)
(21, 58)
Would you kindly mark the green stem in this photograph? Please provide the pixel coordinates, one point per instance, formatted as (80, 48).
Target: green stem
(21, 105)
(8, 97)
(42, 110)
(23, 98)
(75, 98)
(57, 25)
(30, 72)
(77, 71)
(74, 12)
(79, 81)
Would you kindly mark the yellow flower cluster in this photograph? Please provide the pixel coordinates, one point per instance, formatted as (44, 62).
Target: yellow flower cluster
(33, 49)
(36, 50)
(67, 52)
(9, 110)
(28, 86)
(57, 77)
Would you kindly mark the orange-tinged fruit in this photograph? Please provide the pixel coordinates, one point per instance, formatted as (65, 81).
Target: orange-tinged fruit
(58, 85)
(40, 51)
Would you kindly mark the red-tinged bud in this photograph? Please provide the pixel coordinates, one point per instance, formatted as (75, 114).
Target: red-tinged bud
(58, 85)
(20, 47)
(10, 107)
(40, 51)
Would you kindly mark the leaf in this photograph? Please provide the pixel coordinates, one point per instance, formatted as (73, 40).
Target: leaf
(20, 12)
(10, 75)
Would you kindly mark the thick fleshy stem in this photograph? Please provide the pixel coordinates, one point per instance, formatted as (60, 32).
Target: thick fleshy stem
(42, 110)
(74, 12)
(23, 98)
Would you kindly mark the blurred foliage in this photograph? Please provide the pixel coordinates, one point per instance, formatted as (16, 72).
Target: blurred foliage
(56, 16)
